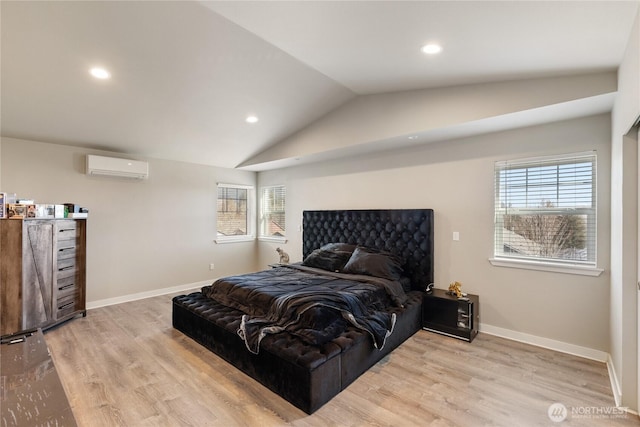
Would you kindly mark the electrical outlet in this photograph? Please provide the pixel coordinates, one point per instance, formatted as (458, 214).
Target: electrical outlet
(456, 235)
(212, 266)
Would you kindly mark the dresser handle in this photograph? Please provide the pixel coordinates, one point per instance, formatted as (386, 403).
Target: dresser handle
(66, 268)
(63, 306)
(66, 287)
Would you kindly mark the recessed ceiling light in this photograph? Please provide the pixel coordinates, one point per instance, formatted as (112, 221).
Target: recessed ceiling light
(100, 73)
(431, 48)
(413, 137)
(251, 119)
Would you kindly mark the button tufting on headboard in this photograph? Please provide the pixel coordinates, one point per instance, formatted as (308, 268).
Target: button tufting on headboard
(404, 232)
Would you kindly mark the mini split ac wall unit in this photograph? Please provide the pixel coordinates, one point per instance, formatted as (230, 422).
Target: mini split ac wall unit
(112, 166)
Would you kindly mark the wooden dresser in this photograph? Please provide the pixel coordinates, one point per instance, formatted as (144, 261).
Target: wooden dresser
(42, 272)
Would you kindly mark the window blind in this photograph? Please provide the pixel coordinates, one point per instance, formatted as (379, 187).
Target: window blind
(272, 211)
(545, 209)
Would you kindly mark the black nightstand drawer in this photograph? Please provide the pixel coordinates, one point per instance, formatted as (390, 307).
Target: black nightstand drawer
(448, 315)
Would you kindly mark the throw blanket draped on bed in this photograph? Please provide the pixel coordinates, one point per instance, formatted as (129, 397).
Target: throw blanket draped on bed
(313, 304)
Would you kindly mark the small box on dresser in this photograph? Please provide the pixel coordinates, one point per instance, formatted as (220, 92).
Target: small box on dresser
(3, 205)
(446, 314)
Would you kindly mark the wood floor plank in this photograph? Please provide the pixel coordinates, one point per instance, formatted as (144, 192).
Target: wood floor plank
(124, 365)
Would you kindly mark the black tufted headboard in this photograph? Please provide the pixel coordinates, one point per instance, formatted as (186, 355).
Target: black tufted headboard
(404, 232)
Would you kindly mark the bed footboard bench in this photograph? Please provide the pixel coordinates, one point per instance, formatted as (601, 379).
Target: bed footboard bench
(305, 375)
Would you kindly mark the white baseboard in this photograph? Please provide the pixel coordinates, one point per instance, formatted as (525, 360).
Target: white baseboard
(142, 295)
(576, 350)
(615, 384)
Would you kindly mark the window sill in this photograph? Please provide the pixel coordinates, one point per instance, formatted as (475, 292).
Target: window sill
(234, 239)
(272, 239)
(542, 266)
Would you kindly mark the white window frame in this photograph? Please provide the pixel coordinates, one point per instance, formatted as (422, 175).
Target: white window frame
(251, 215)
(262, 236)
(500, 259)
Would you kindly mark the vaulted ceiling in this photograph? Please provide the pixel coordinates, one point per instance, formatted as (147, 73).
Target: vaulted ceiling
(185, 75)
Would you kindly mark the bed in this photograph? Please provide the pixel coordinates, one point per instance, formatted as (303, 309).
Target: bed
(308, 366)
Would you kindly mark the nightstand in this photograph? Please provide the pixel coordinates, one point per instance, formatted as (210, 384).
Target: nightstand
(447, 315)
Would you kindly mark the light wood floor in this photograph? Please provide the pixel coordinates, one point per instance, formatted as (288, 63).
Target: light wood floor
(125, 365)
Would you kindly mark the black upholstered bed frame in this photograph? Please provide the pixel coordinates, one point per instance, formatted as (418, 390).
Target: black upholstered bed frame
(309, 376)
(404, 232)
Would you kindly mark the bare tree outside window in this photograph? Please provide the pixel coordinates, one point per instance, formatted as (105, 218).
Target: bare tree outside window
(552, 235)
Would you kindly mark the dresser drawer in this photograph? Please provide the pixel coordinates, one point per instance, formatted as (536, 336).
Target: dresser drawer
(66, 305)
(66, 268)
(67, 286)
(66, 252)
(66, 230)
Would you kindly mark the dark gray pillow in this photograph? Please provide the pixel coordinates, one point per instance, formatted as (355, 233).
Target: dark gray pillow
(377, 264)
(340, 247)
(330, 257)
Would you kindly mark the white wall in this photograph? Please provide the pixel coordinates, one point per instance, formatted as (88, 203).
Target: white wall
(456, 179)
(624, 219)
(143, 236)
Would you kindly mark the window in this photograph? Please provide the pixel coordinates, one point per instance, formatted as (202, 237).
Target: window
(545, 210)
(235, 213)
(272, 212)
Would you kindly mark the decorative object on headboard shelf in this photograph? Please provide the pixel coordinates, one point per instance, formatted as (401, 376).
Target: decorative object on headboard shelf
(284, 257)
(455, 288)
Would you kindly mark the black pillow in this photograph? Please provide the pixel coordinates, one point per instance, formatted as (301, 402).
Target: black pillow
(339, 247)
(377, 264)
(330, 257)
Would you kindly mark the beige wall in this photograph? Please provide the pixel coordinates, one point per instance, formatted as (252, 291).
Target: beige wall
(455, 178)
(142, 236)
(624, 222)
(149, 235)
